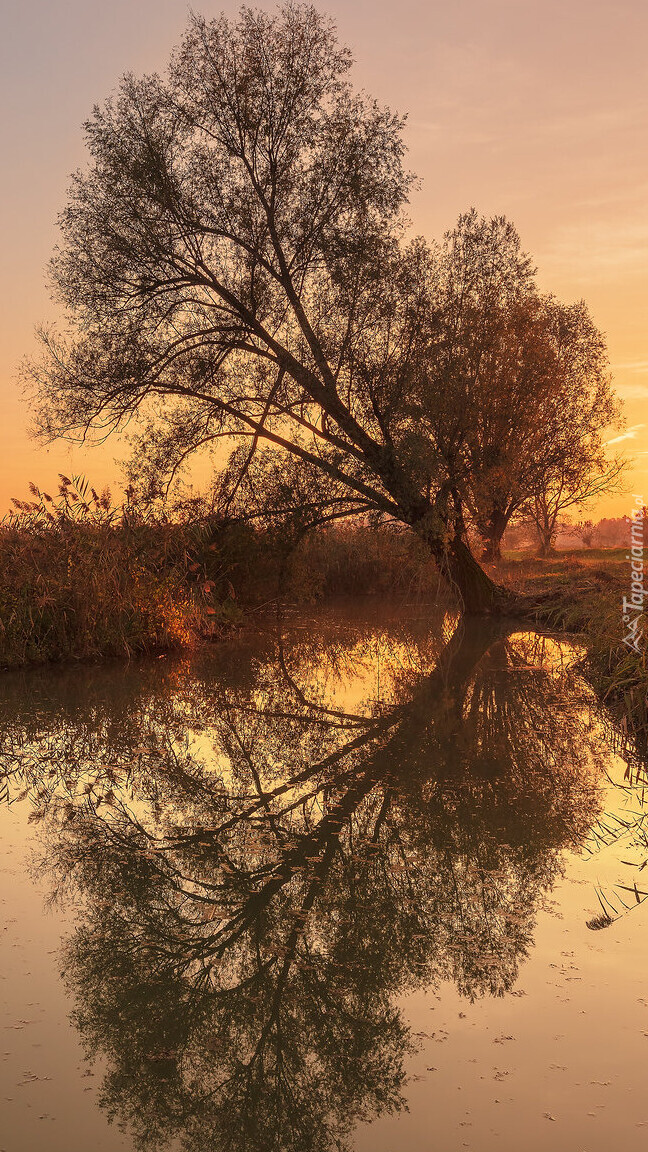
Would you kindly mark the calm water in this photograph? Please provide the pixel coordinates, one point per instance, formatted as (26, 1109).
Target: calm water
(326, 893)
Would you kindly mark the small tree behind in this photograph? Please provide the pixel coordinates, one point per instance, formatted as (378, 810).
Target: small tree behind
(584, 530)
(573, 484)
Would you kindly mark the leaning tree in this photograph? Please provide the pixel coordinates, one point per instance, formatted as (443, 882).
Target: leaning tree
(234, 264)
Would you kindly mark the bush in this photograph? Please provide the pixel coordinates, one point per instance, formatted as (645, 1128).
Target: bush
(358, 560)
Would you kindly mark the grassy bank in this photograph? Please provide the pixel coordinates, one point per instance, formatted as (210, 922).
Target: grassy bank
(586, 590)
(83, 580)
(79, 582)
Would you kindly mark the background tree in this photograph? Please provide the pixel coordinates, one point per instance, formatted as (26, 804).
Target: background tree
(584, 530)
(612, 532)
(521, 379)
(483, 283)
(570, 483)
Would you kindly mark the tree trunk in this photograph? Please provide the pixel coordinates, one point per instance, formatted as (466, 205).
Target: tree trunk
(492, 550)
(476, 592)
(494, 529)
(547, 541)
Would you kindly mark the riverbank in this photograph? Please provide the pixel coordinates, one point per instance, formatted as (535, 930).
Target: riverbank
(82, 581)
(586, 591)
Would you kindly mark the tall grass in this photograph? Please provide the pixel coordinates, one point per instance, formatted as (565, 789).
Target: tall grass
(620, 673)
(358, 560)
(584, 596)
(80, 579)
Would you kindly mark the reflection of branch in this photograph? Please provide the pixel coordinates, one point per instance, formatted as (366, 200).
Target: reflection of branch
(289, 949)
(310, 847)
(258, 916)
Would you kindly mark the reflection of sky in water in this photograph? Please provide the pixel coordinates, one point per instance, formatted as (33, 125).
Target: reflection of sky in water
(400, 818)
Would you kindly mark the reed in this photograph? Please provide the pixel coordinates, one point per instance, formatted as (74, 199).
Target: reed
(586, 594)
(82, 578)
(79, 579)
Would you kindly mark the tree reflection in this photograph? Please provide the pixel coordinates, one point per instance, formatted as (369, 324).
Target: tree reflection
(264, 873)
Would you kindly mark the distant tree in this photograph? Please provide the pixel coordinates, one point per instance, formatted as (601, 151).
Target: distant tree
(520, 534)
(584, 530)
(612, 532)
(482, 298)
(572, 483)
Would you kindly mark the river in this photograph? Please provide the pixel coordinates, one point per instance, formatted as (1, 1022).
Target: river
(365, 880)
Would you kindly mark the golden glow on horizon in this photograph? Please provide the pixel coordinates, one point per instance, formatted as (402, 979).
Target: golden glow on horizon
(535, 111)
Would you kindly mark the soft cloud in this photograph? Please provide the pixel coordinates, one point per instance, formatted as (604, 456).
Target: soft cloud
(631, 434)
(632, 391)
(632, 366)
(594, 251)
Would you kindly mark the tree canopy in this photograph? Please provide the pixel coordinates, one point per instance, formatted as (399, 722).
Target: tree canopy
(235, 263)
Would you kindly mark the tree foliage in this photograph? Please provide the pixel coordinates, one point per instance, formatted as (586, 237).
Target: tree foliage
(524, 382)
(234, 264)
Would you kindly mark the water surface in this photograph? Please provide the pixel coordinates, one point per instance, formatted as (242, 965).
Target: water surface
(324, 891)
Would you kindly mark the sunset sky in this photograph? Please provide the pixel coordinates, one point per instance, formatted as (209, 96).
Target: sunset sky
(538, 110)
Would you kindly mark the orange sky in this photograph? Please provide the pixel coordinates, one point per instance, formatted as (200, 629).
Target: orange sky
(535, 110)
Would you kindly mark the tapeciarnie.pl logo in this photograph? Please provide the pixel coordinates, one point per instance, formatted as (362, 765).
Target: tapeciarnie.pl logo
(633, 607)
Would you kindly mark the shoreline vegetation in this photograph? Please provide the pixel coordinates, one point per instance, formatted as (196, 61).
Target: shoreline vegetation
(84, 580)
(585, 591)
